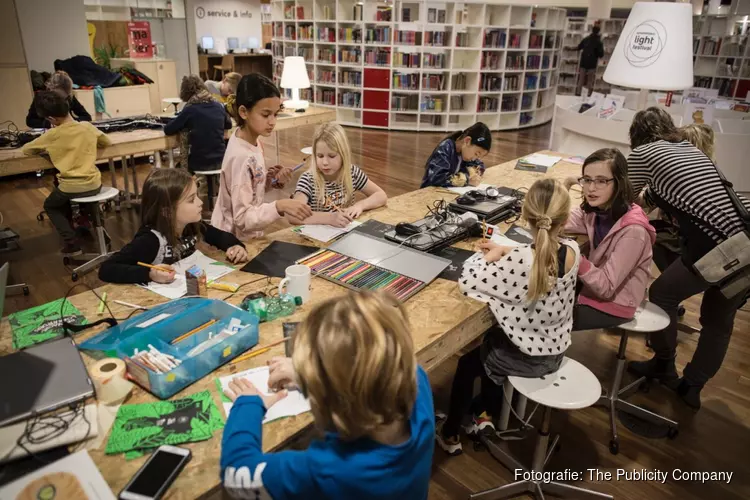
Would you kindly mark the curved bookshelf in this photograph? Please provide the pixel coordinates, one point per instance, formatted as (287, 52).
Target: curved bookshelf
(422, 65)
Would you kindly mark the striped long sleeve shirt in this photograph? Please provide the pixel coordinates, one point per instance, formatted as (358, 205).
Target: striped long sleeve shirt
(685, 178)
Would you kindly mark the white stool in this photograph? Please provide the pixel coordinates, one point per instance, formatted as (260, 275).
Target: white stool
(209, 175)
(307, 150)
(94, 259)
(648, 318)
(571, 387)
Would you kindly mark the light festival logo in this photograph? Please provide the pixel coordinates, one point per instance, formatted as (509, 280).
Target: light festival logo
(645, 43)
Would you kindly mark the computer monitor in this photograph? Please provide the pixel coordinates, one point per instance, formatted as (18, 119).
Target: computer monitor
(207, 42)
(253, 43)
(233, 43)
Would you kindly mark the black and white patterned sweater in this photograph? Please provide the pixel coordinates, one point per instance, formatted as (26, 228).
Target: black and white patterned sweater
(541, 328)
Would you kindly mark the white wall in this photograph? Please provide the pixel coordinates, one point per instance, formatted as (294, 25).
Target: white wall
(616, 4)
(52, 30)
(243, 20)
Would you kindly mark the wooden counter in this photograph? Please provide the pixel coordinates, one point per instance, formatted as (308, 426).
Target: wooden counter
(13, 161)
(443, 321)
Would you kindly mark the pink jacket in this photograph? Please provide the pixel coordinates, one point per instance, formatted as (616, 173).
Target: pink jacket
(616, 273)
(239, 208)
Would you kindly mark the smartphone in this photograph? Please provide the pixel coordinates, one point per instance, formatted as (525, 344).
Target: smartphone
(157, 474)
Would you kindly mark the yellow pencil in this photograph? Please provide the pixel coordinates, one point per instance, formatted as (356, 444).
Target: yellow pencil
(193, 331)
(158, 268)
(260, 351)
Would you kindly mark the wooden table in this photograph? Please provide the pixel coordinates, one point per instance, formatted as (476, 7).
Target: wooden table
(124, 144)
(443, 321)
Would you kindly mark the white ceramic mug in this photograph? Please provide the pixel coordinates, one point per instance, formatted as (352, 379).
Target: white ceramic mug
(297, 282)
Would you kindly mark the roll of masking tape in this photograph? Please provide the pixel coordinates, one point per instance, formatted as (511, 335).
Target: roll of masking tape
(110, 380)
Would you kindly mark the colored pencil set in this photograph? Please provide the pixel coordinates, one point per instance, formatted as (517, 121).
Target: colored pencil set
(360, 275)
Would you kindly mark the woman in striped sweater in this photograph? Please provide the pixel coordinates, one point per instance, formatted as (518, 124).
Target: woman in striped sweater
(682, 181)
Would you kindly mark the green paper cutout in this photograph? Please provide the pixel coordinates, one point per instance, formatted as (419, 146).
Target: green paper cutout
(224, 398)
(42, 323)
(141, 428)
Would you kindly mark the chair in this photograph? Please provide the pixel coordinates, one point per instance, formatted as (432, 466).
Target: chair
(203, 66)
(227, 65)
(571, 387)
(210, 175)
(648, 318)
(94, 259)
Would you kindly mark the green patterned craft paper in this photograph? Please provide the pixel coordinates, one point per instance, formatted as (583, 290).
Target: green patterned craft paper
(42, 323)
(142, 427)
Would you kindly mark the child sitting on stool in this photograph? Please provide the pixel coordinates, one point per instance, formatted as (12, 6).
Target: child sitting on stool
(71, 145)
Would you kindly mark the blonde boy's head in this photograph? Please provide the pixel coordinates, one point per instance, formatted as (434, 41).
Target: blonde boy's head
(354, 359)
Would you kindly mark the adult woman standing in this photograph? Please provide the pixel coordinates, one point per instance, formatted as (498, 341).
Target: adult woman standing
(683, 181)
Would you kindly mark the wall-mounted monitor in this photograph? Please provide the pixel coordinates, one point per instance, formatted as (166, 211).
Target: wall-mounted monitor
(207, 42)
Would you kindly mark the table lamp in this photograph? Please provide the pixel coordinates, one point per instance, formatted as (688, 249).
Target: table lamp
(294, 77)
(655, 49)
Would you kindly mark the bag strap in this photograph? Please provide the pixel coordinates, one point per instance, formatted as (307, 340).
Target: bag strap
(738, 205)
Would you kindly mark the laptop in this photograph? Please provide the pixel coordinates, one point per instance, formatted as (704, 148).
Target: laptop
(50, 375)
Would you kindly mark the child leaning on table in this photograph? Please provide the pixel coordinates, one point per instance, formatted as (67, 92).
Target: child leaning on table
(170, 229)
(376, 411)
(71, 146)
(332, 181)
(531, 292)
(456, 161)
(240, 207)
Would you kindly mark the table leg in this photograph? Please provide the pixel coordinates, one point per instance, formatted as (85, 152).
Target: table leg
(125, 181)
(170, 157)
(113, 175)
(135, 179)
(157, 159)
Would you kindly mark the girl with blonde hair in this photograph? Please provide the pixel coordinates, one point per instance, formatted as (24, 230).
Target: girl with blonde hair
(376, 410)
(701, 136)
(531, 291)
(329, 185)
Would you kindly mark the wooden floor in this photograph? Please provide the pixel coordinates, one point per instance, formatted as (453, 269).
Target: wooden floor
(717, 438)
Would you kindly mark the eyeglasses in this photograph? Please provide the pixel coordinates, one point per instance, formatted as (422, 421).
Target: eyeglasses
(598, 182)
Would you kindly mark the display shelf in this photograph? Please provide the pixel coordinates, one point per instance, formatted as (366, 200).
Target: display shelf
(721, 53)
(576, 30)
(420, 64)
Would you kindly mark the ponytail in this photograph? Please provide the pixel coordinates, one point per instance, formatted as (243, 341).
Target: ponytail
(545, 208)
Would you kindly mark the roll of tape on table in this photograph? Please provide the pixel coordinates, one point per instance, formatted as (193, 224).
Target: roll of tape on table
(110, 381)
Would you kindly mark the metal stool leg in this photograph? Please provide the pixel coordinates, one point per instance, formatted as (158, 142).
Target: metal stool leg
(126, 182)
(93, 259)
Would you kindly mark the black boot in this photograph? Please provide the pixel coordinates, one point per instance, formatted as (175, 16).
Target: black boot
(689, 393)
(662, 370)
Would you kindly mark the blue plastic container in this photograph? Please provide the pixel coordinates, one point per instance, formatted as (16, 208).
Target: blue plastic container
(160, 325)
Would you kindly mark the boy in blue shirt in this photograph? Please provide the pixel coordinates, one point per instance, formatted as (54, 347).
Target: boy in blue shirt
(354, 359)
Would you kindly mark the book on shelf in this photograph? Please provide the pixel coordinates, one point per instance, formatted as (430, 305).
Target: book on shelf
(350, 99)
(381, 14)
(348, 77)
(511, 83)
(487, 104)
(494, 39)
(378, 57)
(408, 37)
(509, 103)
(405, 102)
(529, 82)
(535, 41)
(457, 103)
(462, 39)
(436, 15)
(433, 82)
(350, 35)
(514, 62)
(289, 12)
(406, 60)
(326, 34)
(430, 103)
(350, 56)
(514, 41)
(525, 118)
(406, 14)
(300, 12)
(357, 12)
(437, 61)
(533, 61)
(491, 60)
(378, 34)
(491, 83)
(406, 81)
(436, 38)
(459, 82)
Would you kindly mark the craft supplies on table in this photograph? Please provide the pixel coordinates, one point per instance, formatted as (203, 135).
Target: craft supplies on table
(141, 428)
(110, 381)
(75, 476)
(361, 262)
(293, 404)
(325, 232)
(42, 323)
(172, 345)
(213, 270)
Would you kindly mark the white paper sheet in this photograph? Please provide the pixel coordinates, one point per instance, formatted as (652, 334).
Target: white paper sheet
(541, 159)
(503, 240)
(213, 269)
(325, 233)
(293, 404)
(466, 189)
(89, 484)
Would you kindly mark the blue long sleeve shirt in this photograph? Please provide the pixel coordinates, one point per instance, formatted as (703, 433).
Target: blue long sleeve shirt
(205, 123)
(329, 468)
(444, 163)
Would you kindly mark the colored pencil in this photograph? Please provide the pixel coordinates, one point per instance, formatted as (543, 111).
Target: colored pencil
(102, 303)
(252, 354)
(158, 268)
(193, 331)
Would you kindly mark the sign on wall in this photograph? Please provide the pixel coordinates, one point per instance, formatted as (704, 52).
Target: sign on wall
(139, 40)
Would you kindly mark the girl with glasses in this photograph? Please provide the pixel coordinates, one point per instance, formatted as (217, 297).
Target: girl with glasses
(615, 269)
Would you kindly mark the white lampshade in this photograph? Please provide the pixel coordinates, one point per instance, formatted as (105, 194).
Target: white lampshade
(294, 75)
(655, 49)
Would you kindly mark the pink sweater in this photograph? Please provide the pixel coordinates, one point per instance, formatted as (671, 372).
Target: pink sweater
(239, 208)
(616, 273)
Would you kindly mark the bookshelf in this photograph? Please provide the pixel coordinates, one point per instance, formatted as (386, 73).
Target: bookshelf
(423, 65)
(577, 28)
(721, 54)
